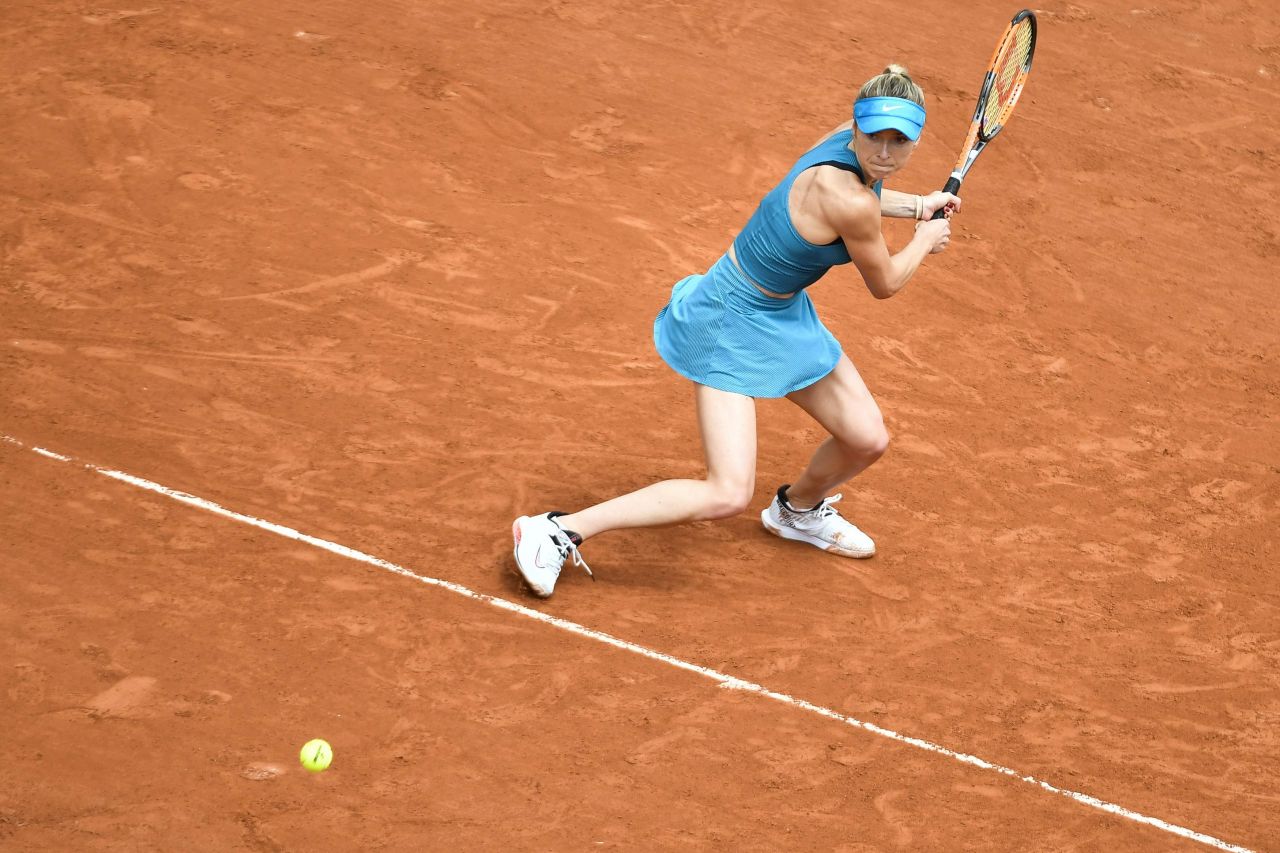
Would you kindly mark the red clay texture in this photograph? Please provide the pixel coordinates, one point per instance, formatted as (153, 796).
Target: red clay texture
(386, 274)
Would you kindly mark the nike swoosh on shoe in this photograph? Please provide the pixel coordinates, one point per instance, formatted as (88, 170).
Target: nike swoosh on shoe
(537, 559)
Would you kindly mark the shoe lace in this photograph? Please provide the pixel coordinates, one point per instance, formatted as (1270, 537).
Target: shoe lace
(566, 547)
(825, 509)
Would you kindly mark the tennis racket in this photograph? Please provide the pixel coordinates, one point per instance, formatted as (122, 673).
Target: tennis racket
(1006, 75)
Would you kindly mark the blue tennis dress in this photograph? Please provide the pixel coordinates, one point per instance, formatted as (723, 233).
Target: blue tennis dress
(720, 331)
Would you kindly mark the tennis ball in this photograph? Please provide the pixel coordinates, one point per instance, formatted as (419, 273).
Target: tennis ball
(316, 755)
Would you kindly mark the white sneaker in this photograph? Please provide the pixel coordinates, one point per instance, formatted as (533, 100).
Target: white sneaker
(541, 548)
(821, 527)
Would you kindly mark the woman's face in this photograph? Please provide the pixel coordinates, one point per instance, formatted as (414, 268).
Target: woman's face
(883, 153)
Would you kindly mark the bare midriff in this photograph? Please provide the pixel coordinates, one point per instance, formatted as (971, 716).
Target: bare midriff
(734, 257)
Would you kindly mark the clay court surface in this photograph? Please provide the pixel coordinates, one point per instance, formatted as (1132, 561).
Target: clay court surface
(385, 273)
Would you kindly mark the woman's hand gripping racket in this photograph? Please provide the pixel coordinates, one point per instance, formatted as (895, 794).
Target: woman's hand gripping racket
(1010, 65)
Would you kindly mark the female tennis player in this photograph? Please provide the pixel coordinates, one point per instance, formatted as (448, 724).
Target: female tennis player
(747, 328)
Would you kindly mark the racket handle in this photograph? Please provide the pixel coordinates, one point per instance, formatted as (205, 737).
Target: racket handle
(953, 186)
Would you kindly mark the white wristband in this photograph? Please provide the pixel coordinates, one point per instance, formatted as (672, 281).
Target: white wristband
(919, 207)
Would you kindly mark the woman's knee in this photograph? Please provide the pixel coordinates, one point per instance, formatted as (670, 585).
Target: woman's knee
(729, 498)
(878, 442)
(869, 441)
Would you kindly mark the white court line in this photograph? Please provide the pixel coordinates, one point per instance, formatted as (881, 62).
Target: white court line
(726, 681)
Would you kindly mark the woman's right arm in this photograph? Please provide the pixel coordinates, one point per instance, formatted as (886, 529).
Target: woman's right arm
(856, 218)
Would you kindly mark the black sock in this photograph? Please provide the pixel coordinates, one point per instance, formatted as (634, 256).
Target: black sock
(573, 537)
(782, 499)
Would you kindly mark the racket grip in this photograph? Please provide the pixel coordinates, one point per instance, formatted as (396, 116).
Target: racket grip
(953, 186)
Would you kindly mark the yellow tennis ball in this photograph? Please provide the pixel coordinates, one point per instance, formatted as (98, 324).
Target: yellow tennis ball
(316, 755)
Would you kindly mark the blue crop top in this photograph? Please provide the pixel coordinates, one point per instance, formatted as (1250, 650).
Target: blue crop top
(770, 250)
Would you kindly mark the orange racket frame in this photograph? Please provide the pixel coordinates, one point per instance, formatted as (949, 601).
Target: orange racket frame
(1001, 87)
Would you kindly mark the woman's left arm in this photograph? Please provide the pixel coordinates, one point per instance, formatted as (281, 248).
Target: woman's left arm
(911, 206)
(899, 205)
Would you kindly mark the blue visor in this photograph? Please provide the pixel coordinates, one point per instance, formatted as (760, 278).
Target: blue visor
(876, 114)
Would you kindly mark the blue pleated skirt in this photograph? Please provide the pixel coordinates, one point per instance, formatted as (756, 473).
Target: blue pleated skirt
(720, 331)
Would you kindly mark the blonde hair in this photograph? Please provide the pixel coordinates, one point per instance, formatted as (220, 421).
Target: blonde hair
(893, 82)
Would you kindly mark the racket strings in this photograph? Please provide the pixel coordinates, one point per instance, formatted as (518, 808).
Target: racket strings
(1010, 70)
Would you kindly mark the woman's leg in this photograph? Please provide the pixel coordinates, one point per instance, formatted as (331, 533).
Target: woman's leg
(841, 403)
(728, 425)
